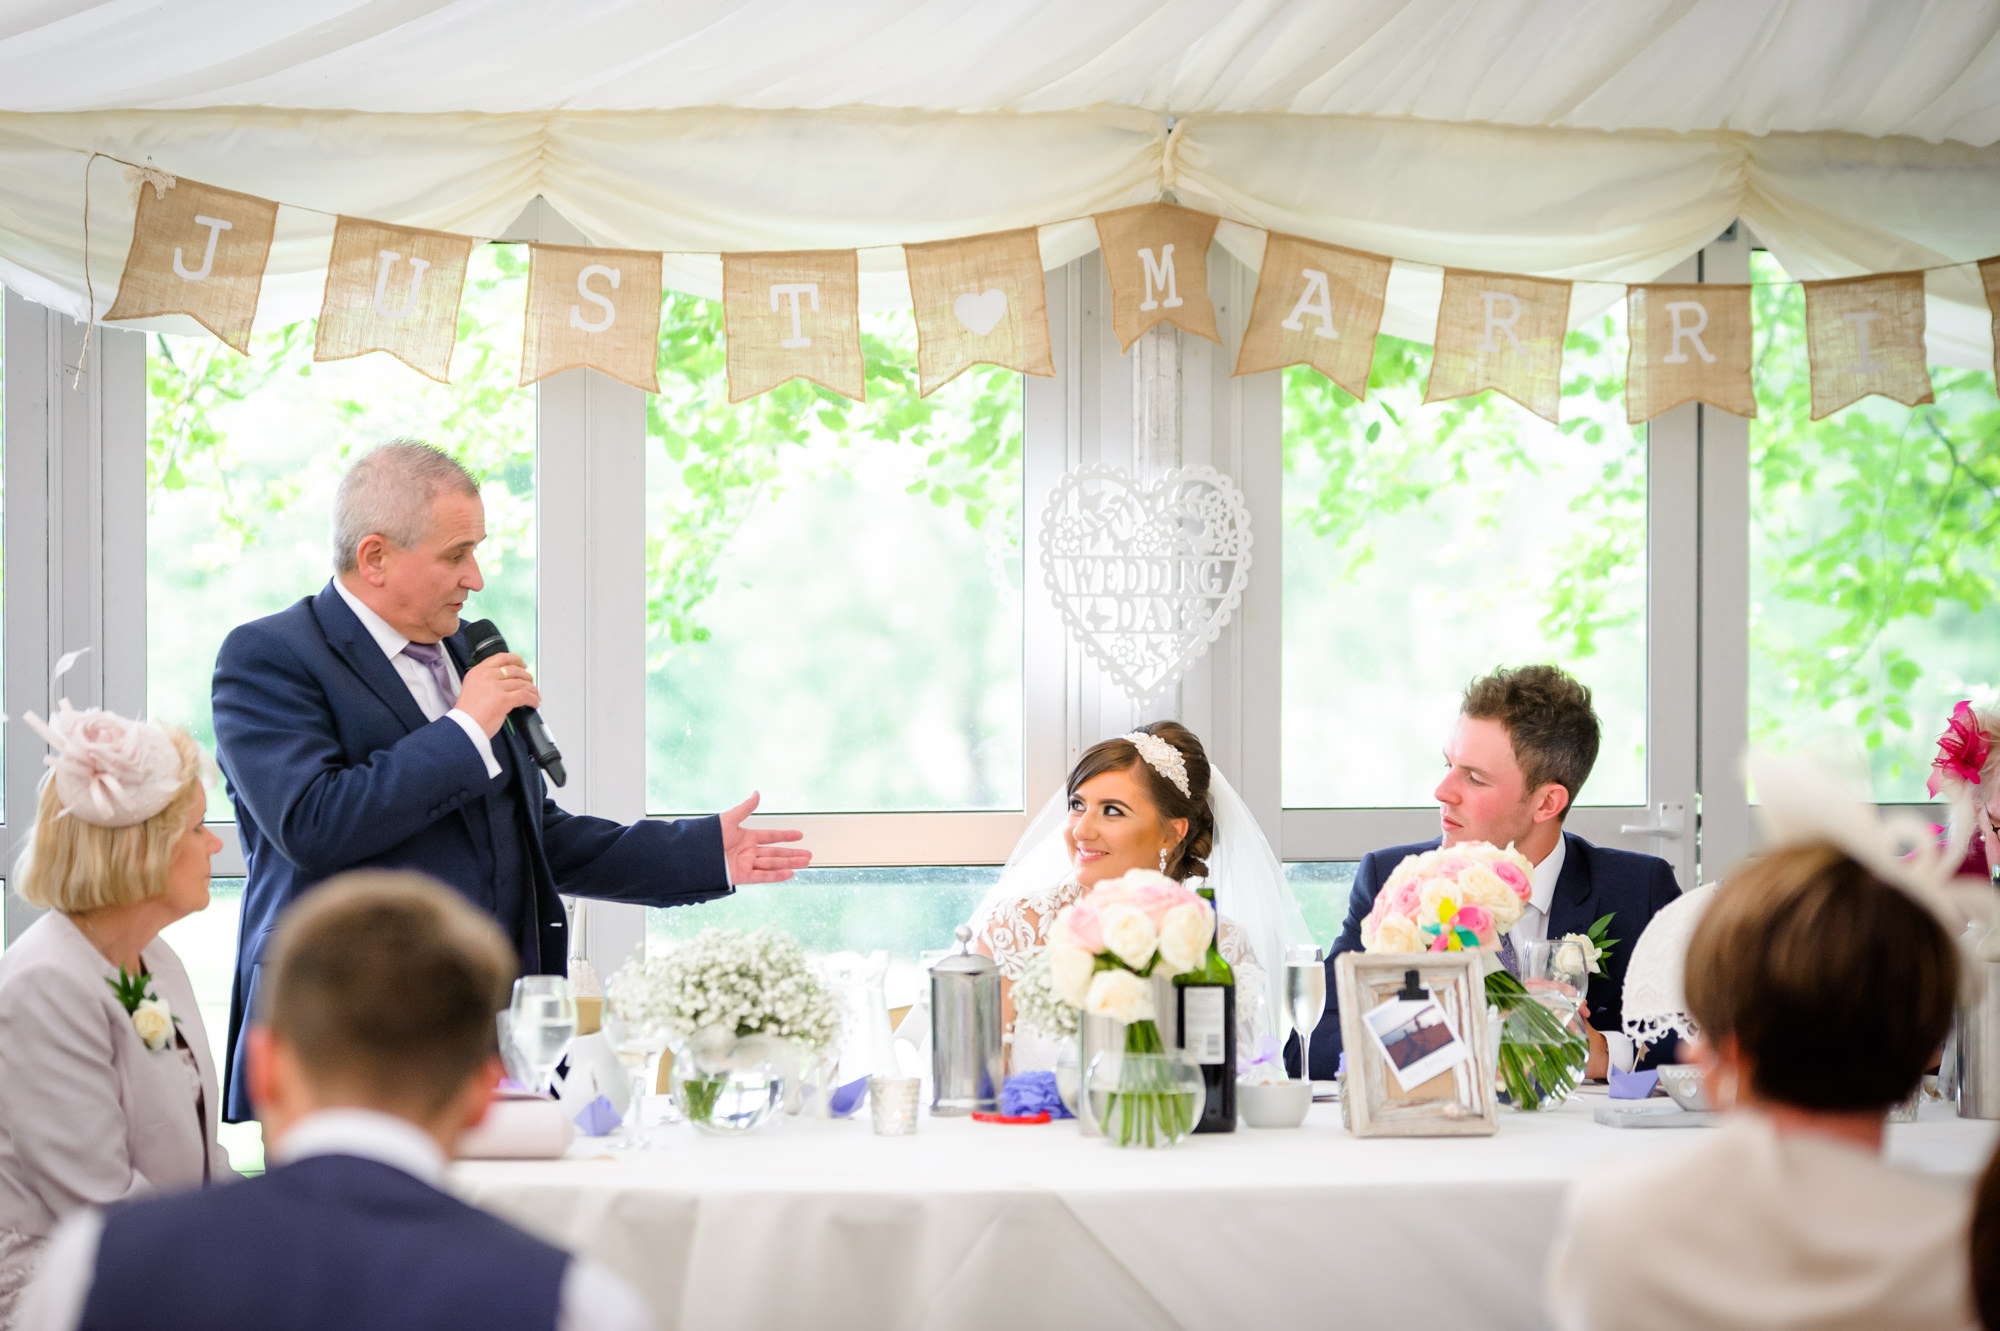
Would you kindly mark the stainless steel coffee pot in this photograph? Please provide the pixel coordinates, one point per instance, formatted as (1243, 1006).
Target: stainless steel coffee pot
(966, 1059)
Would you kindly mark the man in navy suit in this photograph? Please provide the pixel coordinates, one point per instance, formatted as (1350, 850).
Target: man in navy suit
(355, 732)
(1523, 746)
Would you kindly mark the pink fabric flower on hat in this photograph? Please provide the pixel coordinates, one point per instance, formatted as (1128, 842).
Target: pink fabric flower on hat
(1962, 750)
(109, 770)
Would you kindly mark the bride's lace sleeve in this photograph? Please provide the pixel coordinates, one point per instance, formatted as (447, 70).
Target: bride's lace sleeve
(1012, 933)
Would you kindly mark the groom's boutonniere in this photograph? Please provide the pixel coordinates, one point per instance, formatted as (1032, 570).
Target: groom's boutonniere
(150, 1016)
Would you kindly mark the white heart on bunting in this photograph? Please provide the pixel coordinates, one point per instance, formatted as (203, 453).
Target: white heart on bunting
(981, 311)
(1145, 576)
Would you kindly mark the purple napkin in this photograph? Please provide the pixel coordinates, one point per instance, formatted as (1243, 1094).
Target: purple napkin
(1634, 1085)
(1269, 1053)
(597, 1118)
(846, 1099)
(1026, 1094)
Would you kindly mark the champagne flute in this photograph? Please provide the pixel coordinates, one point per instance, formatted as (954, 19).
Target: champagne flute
(1305, 990)
(541, 1023)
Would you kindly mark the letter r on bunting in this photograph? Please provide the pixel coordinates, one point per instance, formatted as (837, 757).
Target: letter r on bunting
(1500, 332)
(1690, 342)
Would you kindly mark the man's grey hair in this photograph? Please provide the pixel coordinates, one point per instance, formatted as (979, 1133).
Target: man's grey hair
(389, 492)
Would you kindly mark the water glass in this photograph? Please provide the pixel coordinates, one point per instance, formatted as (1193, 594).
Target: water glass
(541, 1023)
(1305, 992)
(894, 1102)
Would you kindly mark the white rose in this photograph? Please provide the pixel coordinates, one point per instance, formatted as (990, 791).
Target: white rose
(1128, 934)
(1120, 995)
(1569, 959)
(1184, 936)
(154, 1023)
(1480, 886)
(1134, 879)
(1070, 969)
(1059, 935)
(1395, 933)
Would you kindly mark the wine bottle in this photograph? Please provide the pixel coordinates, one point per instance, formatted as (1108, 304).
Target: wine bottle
(1205, 1004)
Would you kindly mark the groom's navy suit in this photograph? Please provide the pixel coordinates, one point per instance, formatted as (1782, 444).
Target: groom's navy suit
(1595, 881)
(332, 766)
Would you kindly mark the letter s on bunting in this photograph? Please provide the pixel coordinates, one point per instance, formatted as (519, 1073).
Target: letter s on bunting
(393, 289)
(1689, 343)
(199, 251)
(1157, 258)
(793, 315)
(1501, 332)
(595, 308)
(1317, 305)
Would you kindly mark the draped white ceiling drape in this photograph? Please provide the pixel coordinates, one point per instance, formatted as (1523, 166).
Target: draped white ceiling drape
(1598, 141)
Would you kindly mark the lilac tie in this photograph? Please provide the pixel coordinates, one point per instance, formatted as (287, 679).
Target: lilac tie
(431, 657)
(1507, 958)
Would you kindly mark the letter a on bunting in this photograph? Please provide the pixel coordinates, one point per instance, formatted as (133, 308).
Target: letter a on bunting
(1504, 333)
(393, 289)
(199, 251)
(1317, 305)
(979, 301)
(1157, 257)
(595, 308)
(1866, 335)
(793, 315)
(1688, 344)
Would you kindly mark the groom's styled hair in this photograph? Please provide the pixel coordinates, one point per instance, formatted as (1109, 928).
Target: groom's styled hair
(1548, 717)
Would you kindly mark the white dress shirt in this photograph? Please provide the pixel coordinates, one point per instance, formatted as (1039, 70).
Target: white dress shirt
(592, 1298)
(1533, 927)
(423, 685)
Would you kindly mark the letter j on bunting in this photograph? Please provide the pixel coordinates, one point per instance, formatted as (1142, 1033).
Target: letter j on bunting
(1500, 332)
(793, 315)
(199, 251)
(595, 308)
(1866, 335)
(1689, 343)
(1317, 305)
(1157, 258)
(979, 301)
(393, 289)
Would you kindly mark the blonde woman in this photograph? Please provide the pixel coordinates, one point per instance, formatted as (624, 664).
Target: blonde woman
(107, 1087)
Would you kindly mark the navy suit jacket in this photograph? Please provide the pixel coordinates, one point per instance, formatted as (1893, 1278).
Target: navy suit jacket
(1595, 881)
(332, 766)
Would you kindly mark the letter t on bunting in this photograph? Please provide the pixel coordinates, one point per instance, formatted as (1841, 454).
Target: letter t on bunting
(1157, 257)
(1689, 343)
(979, 301)
(1317, 305)
(199, 251)
(1866, 335)
(793, 315)
(1500, 332)
(598, 308)
(393, 289)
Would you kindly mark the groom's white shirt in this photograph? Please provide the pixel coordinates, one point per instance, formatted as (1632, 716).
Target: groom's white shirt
(1533, 927)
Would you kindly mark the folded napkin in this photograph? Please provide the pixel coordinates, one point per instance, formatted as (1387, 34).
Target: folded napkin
(519, 1130)
(596, 1118)
(1026, 1094)
(1634, 1085)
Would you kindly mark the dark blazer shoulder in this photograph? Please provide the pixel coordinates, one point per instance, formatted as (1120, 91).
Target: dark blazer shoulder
(1609, 863)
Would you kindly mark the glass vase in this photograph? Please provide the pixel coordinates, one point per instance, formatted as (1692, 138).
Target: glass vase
(1543, 1051)
(1143, 1093)
(726, 1091)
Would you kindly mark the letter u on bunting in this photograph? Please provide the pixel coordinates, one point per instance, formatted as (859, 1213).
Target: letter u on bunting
(979, 301)
(1866, 335)
(393, 289)
(1157, 257)
(199, 251)
(793, 315)
(595, 308)
(1317, 305)
(1504, 333)
(1689, 343)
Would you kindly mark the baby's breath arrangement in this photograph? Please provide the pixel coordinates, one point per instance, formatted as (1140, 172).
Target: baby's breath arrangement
(1036, 1002)
(755, 982)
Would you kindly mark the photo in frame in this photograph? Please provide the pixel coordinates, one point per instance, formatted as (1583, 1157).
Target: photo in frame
(1456, 1099)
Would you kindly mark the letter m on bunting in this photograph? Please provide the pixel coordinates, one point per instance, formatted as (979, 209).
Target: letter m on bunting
(1156, 256)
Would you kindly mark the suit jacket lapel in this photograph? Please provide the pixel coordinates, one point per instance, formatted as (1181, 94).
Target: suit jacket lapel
(347, 637)
(1569, 912)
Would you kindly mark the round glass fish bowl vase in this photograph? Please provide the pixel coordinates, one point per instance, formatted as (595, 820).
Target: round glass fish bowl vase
(1143, 1093)
(724, 1085)
(1544, 1048)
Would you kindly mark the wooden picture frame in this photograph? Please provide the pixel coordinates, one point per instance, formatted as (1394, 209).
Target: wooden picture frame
(1458, 1103)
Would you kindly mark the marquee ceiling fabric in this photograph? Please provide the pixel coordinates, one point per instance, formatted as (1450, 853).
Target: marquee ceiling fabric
(1602, 142)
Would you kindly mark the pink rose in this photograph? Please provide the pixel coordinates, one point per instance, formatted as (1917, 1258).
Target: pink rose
(1085, 929)
(1476, 919)
(1156, 899)
(1378, 910)
(1111, 892)
(1510, 873)
(1409, 899)
(1451, 866)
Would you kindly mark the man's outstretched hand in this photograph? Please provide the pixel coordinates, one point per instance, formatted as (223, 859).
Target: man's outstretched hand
(753, 853)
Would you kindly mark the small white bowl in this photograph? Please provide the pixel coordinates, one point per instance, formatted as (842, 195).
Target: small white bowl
(1276, 1105)
(1682, 1081)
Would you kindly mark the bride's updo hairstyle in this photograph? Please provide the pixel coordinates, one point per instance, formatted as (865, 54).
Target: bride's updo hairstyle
(1189, 858)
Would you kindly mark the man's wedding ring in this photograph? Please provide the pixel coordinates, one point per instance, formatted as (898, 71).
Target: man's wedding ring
(503, 672)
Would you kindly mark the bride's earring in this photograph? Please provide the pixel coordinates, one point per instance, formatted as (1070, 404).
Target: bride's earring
(1163, 859)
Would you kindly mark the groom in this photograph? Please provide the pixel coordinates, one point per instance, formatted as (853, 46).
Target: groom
(1523, 746)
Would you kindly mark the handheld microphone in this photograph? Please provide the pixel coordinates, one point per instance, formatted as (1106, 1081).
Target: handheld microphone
(486, 641)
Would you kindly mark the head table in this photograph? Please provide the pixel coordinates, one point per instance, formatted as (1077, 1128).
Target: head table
(808, 1224)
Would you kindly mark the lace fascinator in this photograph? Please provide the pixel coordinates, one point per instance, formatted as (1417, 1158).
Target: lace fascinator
(109, 770)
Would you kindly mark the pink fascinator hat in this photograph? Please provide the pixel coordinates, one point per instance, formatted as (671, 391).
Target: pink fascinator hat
(109, 770)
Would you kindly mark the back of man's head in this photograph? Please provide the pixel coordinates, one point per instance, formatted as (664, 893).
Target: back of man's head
(384, 987)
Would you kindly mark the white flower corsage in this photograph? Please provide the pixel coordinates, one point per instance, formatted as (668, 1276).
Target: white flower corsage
(151, 1018)
(1579, 954)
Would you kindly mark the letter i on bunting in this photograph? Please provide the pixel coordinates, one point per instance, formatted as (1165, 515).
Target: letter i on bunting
(1689, 343)
(393, 289)
(199, 251)
(1317, 305)
(1504, 333)
(1866, 335)
(1157, 258)
(979, 301)
(793, 315)
(594, 308)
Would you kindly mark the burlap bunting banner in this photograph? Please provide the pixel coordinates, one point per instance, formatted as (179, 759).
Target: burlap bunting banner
(1866, 335)
(199, 251)
(1689, 343)
(1317, 305)
(1504, 333)
(1157, 257)
(979, 301)
(393, 289)
(596, 308)
(1989, 276)
(793, 315)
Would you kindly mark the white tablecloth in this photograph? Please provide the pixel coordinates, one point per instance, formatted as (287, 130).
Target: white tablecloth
(810, 1226)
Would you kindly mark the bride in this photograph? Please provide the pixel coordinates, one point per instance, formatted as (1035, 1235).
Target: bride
(1147, 800)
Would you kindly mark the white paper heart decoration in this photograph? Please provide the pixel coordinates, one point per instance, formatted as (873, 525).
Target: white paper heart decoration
(982, 311)
(1145, 576)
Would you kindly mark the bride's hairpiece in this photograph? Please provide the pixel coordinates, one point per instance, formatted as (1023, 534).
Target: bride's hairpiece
(1163, 758)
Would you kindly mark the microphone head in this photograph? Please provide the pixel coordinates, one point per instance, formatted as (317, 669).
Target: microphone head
(483, 637)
